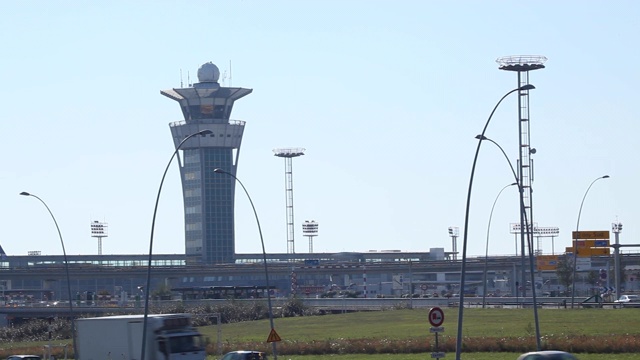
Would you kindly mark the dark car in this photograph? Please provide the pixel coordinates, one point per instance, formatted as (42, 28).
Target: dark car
(245, 355)
(547, 355)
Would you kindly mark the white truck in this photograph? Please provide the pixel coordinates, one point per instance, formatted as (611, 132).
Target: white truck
(169, 337)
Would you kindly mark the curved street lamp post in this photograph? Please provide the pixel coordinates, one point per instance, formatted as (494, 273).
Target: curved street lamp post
(264, 257)
(529, 242)
(147, 289)
(66, 269)
(486, 251)
(466, 221)
(575, 242)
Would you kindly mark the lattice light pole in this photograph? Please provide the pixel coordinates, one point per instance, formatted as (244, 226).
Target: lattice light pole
(454, 232)
(310, 230)
(522, 64)
(288, 154)
(99, 230)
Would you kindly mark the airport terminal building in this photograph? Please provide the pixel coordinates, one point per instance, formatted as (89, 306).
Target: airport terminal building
(209, 139)
(370, 274)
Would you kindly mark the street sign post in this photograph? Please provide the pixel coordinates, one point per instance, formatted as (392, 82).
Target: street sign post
(273, 336)
(436, 318)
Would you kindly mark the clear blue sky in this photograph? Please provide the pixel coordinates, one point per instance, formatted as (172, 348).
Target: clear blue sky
(386, 96)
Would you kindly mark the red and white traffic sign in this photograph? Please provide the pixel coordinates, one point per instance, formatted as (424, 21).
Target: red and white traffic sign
(436, 316)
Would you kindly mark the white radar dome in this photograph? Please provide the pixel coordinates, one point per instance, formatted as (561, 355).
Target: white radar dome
(208, 72)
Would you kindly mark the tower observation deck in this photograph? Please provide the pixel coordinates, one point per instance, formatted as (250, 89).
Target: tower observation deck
(208, 197)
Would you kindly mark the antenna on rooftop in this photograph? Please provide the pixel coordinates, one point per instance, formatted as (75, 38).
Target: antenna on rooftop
(181, 78)
(223, 78)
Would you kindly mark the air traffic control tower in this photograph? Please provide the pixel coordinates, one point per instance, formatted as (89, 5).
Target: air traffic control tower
(208, 197)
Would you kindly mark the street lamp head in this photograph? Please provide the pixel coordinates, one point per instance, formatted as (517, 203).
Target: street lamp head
(66, 269)
(264, 254)
(466, 219)
(512, 184)
(146, 294)
(605, 177)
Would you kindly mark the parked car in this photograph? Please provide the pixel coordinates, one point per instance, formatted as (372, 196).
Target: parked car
(626, 299)
(547, 355)
(245, 355)
(23, 357)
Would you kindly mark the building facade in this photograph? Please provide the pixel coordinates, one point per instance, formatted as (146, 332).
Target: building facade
(208, 196)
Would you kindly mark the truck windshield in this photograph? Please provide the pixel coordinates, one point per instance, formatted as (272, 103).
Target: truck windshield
(188, 343)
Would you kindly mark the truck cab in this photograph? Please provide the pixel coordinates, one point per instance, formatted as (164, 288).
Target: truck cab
(180, 346)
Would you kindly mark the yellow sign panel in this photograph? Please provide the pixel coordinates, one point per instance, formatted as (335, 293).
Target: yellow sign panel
(592, 243)
(590, 234)
(273, 336)
(590, 250)
(600, 251)
(547, 262)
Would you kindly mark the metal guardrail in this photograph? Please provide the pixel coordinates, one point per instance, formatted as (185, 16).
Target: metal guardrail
(328, 304)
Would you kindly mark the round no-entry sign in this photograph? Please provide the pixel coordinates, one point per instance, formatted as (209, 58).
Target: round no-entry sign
(436, 316)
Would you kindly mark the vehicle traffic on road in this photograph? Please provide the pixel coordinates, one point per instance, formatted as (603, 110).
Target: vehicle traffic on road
(245, 355)
(168, 337)
(23, 357)
(626, 300)
(547, 355)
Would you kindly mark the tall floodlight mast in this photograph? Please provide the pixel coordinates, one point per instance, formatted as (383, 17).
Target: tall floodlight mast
(616, 227)
(454, 232)
(310, 230)
(99, 230)
(538, 232)
(288, 155)
(522, 64)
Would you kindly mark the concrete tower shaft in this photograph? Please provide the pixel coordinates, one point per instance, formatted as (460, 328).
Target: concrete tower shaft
(208, 199)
